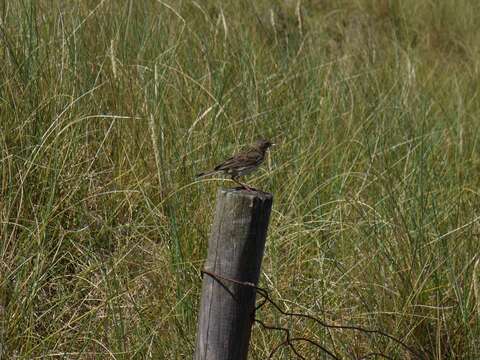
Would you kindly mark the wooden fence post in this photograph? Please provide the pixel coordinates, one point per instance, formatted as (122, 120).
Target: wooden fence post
(235, 251)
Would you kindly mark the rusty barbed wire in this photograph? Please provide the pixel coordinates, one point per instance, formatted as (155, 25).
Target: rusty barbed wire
(289, 340)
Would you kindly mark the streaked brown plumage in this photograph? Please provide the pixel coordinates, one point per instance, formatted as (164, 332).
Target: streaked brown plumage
(242, 163)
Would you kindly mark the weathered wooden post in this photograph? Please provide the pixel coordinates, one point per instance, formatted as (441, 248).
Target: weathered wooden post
(235, 251)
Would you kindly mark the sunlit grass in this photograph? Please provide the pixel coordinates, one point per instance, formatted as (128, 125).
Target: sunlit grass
(108, 109)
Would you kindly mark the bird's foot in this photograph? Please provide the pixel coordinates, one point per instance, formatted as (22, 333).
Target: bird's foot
(248, 188)
(244, 186)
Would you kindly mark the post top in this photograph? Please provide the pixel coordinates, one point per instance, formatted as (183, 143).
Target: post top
(238, 191)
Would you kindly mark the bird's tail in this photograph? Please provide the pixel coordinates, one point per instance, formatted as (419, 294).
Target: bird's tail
(208, 173)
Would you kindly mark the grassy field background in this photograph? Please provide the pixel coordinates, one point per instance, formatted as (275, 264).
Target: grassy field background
(109, 108)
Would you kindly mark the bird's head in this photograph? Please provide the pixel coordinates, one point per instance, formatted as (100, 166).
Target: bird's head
(263, 144)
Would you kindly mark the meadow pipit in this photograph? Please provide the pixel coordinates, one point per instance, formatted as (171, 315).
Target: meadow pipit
(242, 163)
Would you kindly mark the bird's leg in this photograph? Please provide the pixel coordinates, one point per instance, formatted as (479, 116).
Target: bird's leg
(245, 186)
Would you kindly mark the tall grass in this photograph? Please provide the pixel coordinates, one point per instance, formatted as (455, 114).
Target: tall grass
(108, 109)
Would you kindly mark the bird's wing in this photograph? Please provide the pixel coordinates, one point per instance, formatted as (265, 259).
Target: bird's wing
(246, 159)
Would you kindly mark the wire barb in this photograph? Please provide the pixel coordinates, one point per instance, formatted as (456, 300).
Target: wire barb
(289, 340)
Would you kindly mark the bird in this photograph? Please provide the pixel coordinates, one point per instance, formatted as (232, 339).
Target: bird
(242, 163)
